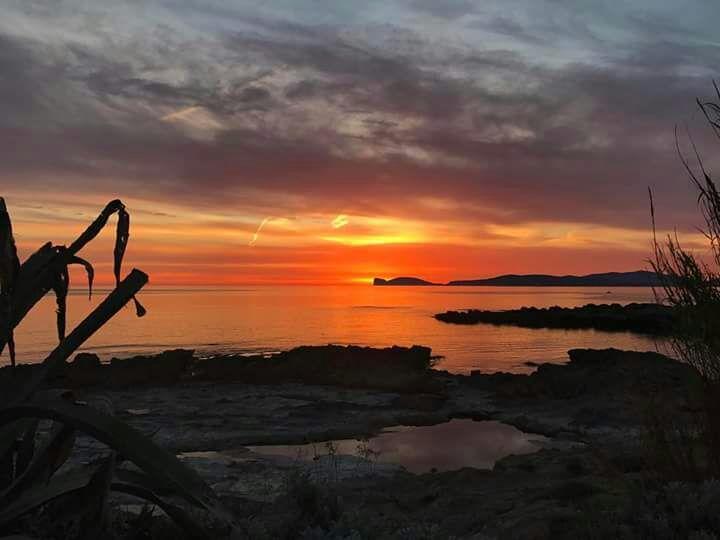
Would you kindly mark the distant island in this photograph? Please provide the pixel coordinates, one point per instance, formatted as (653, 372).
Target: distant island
(403, 281)
(639, 278)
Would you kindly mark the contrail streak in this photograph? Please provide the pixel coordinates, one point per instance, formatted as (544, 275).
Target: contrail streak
(340, 221)
(257, 232)
(179, 115)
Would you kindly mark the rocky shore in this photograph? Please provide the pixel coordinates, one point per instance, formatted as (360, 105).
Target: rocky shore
(653, 319)
(212, 411)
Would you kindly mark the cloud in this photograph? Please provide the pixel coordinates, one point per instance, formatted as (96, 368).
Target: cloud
(445, 9)
(288, 117)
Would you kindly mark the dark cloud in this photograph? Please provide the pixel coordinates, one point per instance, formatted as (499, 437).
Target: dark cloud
(336, 121)
(446, 9)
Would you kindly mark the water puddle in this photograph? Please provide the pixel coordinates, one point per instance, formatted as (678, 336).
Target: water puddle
(442, 447)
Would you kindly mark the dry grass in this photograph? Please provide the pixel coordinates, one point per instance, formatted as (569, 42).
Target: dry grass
(692, 286)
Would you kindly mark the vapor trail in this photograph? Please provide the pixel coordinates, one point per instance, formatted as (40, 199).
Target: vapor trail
(260, 228)
(179, 115)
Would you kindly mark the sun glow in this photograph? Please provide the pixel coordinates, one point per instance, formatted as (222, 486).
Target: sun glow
(184, 244)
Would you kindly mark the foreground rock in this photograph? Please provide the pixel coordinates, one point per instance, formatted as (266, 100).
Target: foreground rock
(597, 396)
(316, 393)
(653, 319)
(399, 369)
(596, 404)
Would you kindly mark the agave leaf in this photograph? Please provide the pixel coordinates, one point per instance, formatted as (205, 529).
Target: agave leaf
(88, 269)
(102, 313)
(61, 285)
(50, 456)
(80, 480)
(96, 493)
(122, 236)
(9, 436)
(9, 262)
(60, 450)
(187, 523)
(36, 262)
(139, 478)
(29, 289)
(11, 346)
(28, 460)
(9, 268)
(32, 284)
(140, 310)
(31, 499)
(96, 226)
(26, 448)
(158, 463)
(37, 274)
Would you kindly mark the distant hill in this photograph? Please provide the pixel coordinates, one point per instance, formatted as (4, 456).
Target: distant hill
(402, 281)
(640, 278)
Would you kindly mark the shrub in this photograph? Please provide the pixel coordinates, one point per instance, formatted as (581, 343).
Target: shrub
(692, 286)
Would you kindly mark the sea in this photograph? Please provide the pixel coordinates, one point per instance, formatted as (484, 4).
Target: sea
(267, 319)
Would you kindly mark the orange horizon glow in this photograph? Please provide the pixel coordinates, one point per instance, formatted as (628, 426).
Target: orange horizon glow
(180, 246)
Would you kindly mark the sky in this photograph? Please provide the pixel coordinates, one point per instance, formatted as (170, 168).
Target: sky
(330, 141)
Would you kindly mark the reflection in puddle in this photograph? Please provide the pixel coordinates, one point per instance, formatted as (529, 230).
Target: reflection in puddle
(442, 447)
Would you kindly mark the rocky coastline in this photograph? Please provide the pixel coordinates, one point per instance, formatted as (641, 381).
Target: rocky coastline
(642, 318)
(210, 410)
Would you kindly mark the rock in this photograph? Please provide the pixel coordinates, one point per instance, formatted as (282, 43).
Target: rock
(86, 361)
(399, 369)
(421, 402)
(165, 368)
(597, 397)
(654, 319)
(85, 370)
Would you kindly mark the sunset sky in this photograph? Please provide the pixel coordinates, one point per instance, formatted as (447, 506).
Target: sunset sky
(330, 141)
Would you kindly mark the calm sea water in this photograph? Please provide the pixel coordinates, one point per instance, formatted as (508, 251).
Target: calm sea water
(265, 319)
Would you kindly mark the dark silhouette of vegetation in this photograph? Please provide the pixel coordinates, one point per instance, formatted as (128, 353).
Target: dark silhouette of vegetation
(38, 497)
(691, 285)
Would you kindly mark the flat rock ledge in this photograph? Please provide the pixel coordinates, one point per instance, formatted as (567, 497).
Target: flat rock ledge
(652, 319)
(593, 407)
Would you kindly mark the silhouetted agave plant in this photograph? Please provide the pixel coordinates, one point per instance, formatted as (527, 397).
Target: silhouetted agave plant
(28, 462)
